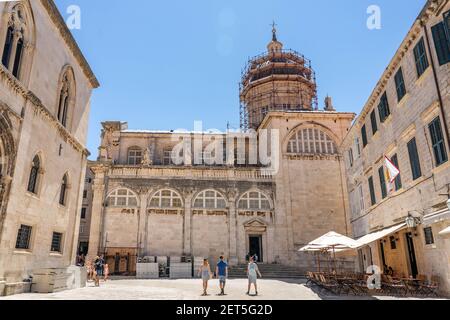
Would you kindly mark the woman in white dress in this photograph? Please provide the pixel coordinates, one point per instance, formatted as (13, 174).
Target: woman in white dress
(205, 273)
(252, 273)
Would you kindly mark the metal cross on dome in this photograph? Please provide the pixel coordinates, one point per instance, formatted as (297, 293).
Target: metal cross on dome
(274, 31)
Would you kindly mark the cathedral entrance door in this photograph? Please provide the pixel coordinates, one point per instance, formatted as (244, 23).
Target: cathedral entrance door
(255, 246)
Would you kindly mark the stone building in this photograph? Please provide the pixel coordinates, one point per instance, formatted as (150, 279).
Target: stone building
(45, 89)
(86, 212)
(220, 201)
(406, 119)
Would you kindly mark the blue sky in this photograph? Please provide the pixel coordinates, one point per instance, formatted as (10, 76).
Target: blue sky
(164, 64)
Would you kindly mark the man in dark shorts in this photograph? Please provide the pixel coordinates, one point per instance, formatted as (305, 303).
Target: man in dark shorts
(222, 274)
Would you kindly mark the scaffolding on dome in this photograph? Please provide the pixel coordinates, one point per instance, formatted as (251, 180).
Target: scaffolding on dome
(280, 80)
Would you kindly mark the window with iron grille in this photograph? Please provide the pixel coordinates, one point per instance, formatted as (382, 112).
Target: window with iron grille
(23, 237)
(364, 135)
(56, 242)
(383, 108)
(414, 159)
(441, 42)
(400, 84)
(382, 182)
(428, 233)
(373, 199)
(373, 121)
(420, 56)
(438, 142)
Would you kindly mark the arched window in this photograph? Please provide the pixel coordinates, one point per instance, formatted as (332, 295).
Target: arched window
(17, 37)
(254, 200)
(134, 156)
(122, 198)
(166, 199)
(34, 175)
(63, 190)
(66, 96)
(209, 199)
(311, 141)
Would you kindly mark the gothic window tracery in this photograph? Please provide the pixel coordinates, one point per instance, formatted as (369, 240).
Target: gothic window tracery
(311, 141)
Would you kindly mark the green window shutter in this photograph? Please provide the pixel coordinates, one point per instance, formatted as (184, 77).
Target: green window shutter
(441, 43)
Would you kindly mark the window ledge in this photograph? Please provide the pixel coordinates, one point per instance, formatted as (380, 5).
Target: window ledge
(403, 100)
(442, 167)
(376, 135)
(388, 120)
(32, 195)
(56, 254)
(423, 76)
(23, 252)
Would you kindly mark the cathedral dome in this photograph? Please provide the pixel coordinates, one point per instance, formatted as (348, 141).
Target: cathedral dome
(277, 80)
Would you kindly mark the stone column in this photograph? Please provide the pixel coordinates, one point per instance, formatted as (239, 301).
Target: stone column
(98, 189)
(187, 225)
(142, 218)
(232, 229)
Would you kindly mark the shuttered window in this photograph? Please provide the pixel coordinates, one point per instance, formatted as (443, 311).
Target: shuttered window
(382, 182)
(373, 121)
(437, 140)
(383, 108)
(441, 43)
(414, 159)
(398, 179)
(373, 199)
(364, 135)
(420, 56)
(400, 84)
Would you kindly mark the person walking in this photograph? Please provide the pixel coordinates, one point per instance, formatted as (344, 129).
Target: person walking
(97, 270)
(222, 274)
(252, 274)
(205, 272)
(106, 272)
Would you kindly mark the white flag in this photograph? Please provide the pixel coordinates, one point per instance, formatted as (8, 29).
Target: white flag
(392, 173)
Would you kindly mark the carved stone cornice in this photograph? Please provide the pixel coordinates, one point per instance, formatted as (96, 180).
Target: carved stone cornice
(65, 33)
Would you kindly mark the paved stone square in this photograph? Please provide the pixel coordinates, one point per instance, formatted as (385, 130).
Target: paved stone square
(131, 289)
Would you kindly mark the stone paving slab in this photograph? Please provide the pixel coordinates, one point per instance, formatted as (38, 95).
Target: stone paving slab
(128, 289)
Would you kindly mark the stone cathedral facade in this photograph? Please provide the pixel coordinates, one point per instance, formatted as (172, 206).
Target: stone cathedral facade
(143, 204)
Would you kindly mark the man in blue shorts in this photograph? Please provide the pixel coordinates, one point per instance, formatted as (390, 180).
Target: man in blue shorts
(222, 274)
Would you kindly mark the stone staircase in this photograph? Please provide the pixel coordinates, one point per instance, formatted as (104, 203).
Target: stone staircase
(268, 271)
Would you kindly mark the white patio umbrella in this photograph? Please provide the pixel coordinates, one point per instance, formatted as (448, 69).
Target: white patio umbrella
(332, 241)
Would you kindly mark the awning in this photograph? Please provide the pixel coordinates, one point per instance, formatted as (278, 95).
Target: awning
(371, 237)
(445, 232)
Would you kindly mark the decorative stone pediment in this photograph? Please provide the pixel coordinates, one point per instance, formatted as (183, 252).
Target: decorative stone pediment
(255, 225)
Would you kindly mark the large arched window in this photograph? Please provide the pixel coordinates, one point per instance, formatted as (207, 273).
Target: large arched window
(166, 199)
(134, 156)
(34, 175)
(66, 96)
(122, 198)
(254, 200)
(63, 190)
(18, 36)
(311, 141)
(210, 199)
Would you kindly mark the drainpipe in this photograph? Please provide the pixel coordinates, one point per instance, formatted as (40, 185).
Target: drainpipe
(436, 81)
